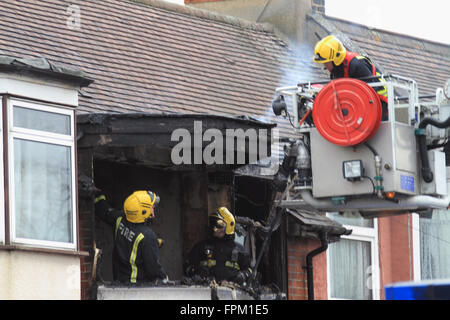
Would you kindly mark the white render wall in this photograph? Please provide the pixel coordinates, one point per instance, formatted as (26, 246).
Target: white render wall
(35, 88)
(39, 276)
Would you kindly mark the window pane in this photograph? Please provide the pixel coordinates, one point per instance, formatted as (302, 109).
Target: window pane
(43, 191)
(349, 262)
(435, 245)
(351, 219)
(41, 120)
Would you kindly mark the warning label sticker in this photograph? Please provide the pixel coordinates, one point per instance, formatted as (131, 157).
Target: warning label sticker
(407, 183)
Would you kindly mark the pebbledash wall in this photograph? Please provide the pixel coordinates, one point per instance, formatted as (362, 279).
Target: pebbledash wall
(297, 251)
(37, 275)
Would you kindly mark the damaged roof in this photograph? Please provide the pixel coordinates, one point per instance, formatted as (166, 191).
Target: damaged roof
(157, 57)
(146, 138)
(41, 66)
(425, 61)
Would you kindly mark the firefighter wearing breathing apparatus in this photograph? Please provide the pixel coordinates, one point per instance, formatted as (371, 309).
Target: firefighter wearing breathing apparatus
(219, 257)
(136, 251)
(341, 63)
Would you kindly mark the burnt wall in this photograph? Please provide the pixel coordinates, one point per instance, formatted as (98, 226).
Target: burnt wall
(194, 209)
(187, 197)
(118, 181)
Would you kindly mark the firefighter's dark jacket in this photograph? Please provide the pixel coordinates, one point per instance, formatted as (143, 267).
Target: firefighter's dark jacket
(357, 69)
(136, 251)
(221, 259)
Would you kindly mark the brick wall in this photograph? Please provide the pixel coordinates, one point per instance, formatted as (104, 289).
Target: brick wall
(317, 5)
(298, 249)
(194, 209)
(395, 250)
(86, 244)
(395, 258)
(86, 223)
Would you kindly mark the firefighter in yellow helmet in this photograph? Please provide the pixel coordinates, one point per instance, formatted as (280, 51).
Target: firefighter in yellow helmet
(136, 251)
(219, 257)
(342, 63)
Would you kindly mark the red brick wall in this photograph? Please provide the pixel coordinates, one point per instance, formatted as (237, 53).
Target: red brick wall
(384, 252)
(298, 248)
(86, 244)
(395, 250)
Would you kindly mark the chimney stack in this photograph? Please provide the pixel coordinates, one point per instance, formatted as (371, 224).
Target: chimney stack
(287, 16)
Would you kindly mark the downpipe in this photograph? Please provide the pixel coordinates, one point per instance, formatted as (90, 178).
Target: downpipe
(309, 264)
(374, 204)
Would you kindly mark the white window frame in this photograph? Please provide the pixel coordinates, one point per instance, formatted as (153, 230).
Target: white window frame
(45, 137)
(362, 234)
(417, 272)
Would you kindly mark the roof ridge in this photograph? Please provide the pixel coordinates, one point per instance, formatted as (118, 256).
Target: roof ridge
(201, 13)
(330, 28)
(394, 33)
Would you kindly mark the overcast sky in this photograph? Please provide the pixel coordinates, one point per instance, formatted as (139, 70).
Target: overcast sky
(427, 19)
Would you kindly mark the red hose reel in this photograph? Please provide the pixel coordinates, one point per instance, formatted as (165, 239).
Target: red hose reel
(347, 112)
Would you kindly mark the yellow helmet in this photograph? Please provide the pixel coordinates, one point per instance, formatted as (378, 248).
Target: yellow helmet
(139, 206)
(223, 217)
(329, 49)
